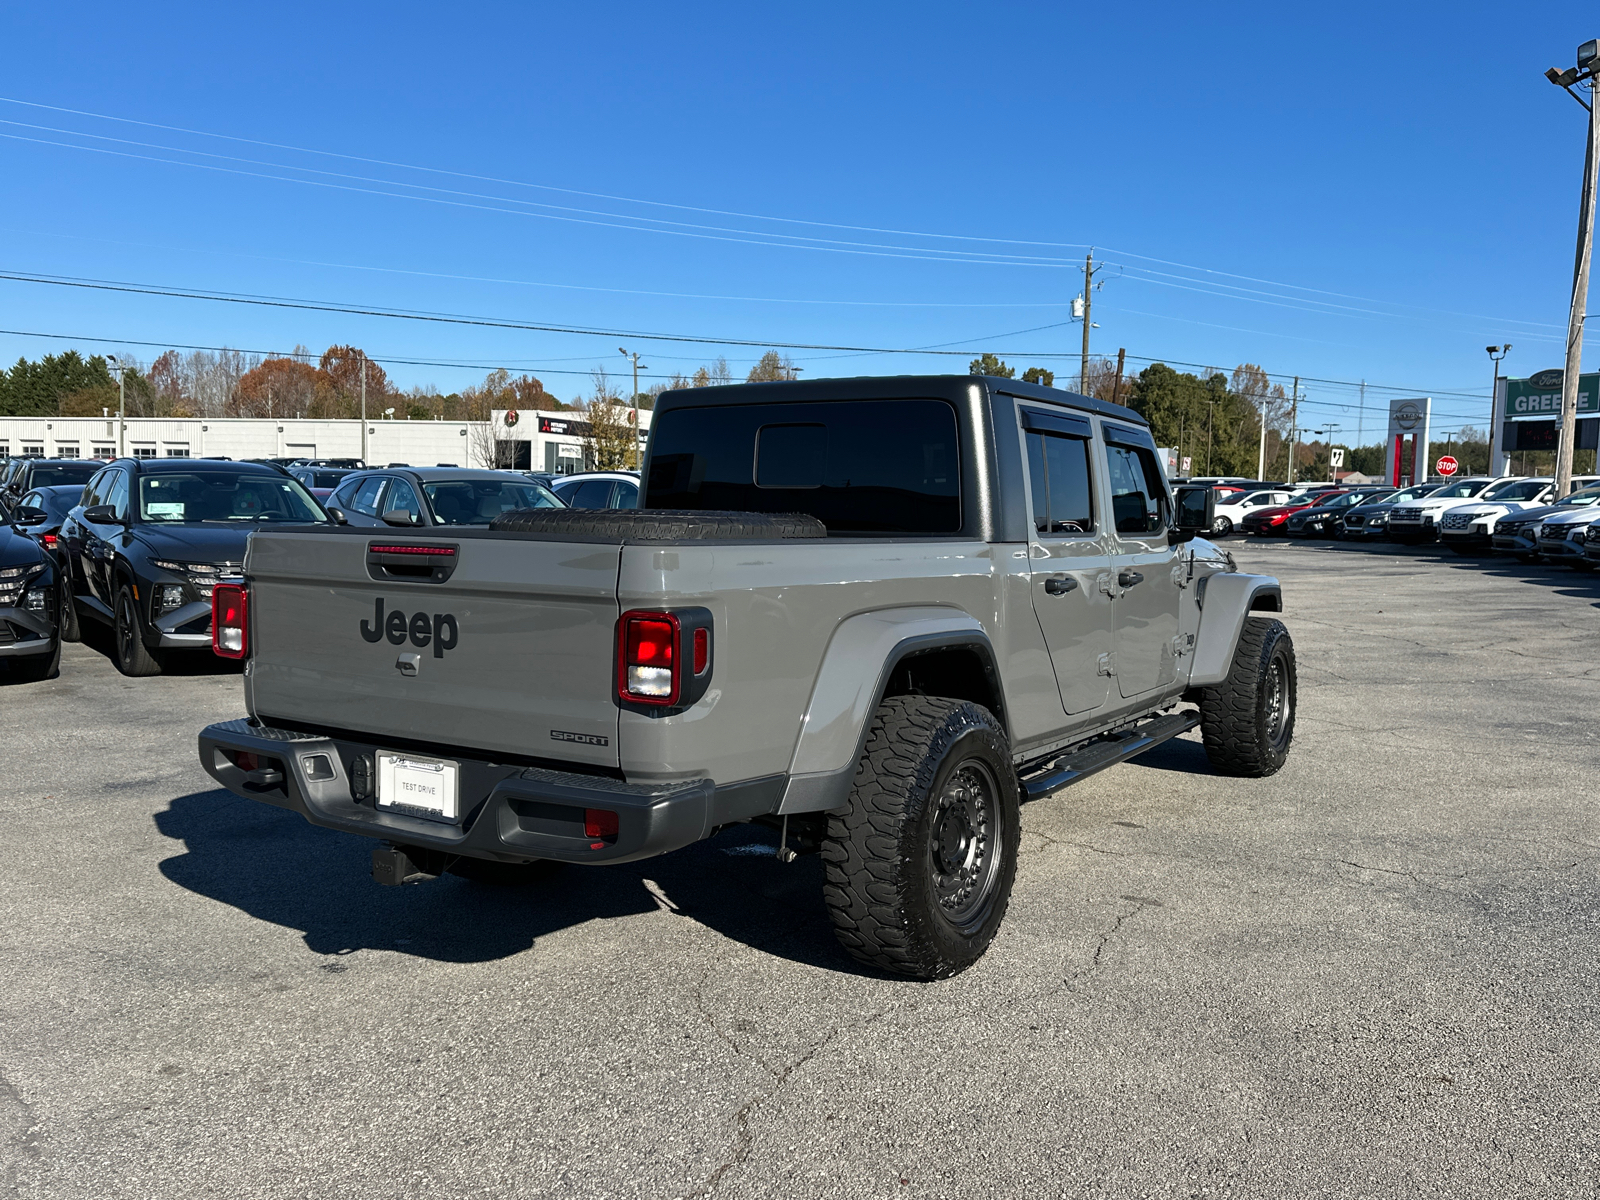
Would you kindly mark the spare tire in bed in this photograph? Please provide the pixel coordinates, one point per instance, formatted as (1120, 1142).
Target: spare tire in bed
(659, 524)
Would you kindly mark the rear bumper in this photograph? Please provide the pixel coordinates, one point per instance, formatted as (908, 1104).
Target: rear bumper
(509, 813)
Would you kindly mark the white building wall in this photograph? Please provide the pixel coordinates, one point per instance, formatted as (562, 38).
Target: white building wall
(419, 443)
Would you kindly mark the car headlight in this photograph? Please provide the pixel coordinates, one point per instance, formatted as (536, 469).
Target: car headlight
(169, 596)
(13, 580)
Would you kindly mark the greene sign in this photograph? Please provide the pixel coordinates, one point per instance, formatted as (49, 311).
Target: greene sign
(1540, 395)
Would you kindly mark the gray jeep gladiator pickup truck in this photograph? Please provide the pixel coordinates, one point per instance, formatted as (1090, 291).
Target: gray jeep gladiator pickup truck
(874, 614)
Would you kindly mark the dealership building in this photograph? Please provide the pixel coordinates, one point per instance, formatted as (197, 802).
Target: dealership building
(537, 441)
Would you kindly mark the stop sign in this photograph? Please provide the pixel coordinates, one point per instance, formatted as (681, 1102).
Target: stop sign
(1447, 466)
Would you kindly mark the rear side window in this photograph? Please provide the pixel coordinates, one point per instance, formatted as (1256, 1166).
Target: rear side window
(591, 493)
(365, 501)
(1058, 474)
(860, 467)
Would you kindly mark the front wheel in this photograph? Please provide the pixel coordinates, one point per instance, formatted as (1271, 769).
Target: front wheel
(919, 865)
(1247, 722)
(133, 657)
(67, 617)
(1222, 527)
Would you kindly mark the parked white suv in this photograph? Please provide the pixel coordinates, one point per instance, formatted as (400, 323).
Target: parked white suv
(1469, 528)
(1229, 515)
(1562, 537)
(1418, 521)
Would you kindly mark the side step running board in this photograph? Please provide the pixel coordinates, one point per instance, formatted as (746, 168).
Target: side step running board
(1107, 752)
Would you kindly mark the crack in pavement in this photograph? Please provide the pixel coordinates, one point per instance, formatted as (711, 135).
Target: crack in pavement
(19, 1145)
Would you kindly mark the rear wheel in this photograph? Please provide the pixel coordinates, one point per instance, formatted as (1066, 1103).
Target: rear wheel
(1247, 722)
(133, 657)
(919, 866)
(1222, 527)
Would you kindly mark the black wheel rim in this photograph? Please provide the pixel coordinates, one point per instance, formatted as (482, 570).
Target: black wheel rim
(1278, 699)
(127, 628)
(964, 843)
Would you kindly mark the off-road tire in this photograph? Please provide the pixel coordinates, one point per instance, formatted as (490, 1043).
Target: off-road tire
(934, 784)
(1247, 722)
(67, 626)
(128, 650)
(36, 668)
(503, 874)
(659, 525)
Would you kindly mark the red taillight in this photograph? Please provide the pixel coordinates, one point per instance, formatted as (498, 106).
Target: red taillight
(702, 650)
(647, 658)
(230, 617)
(599, 823)
(49, 540)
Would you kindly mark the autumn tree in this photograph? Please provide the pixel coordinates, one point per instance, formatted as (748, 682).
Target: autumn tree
(715, 375)
(772, 368)
(610, 443)
(277, 387)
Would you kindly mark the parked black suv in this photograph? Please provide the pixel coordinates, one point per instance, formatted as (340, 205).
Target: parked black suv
(29, 473)
(149, 540)
(29, 642)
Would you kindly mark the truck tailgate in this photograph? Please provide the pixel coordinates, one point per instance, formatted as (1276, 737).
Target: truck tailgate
(512, 652)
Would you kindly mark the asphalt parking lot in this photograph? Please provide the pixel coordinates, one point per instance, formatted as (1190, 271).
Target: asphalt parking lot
(1370, 975)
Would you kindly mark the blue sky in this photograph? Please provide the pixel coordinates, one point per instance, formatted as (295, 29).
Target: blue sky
(1342, 192)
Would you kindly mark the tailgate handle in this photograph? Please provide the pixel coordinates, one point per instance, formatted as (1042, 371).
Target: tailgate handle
(411, 562)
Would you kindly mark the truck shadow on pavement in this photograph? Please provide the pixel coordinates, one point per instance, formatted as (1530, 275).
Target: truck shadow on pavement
(274, 866)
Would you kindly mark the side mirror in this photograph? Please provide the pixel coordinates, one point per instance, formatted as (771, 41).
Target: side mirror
(101, 514)
(402, 517)
(340, 517)
(1195, 511)
(26, 514)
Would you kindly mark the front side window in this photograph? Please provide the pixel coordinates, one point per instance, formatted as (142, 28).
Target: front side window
(365, 501)
(401, 497)
(479, 501)
(224, 496)
(1138, 495)
(117, 495)
(886, 467)
(1058, 474)
(590, 493)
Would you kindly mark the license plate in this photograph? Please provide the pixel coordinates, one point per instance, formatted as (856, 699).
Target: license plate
(423, 785)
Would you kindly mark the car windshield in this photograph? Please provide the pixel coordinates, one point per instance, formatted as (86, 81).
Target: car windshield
(58, 473)
(479, 501)
(224, 496)
(1413, 493)
(1344, 501)
(1466, 489)
(1517, 489)
(1584, 497)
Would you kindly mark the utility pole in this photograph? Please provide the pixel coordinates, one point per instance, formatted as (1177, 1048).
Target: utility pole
(1496, 353)
(1361, 413)
(1116, 388)
(1294, 428)
(1211, 408)
(122, 407)
(1584, 72)
(1089, 272)
(363, 408)
(633, 450)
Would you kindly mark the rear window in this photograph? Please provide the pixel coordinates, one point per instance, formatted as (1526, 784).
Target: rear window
(859, 467)
(53, 475)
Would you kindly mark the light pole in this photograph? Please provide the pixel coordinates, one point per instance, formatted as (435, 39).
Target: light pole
(363, 354)
(1496, 353)
(1584, 72)
(633, 403)
(122, 405)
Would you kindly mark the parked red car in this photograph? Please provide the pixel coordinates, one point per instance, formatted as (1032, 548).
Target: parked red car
(1263, 521)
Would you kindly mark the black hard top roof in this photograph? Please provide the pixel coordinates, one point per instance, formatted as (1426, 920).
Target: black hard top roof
(161, 466)
(889, 387)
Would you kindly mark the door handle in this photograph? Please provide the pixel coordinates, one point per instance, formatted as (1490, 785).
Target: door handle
(1059, 587)
(1128, 579)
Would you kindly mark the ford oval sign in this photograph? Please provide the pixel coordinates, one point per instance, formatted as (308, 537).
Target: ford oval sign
(1545, 381)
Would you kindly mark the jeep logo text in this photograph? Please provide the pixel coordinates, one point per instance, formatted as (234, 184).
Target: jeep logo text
(397, 627)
